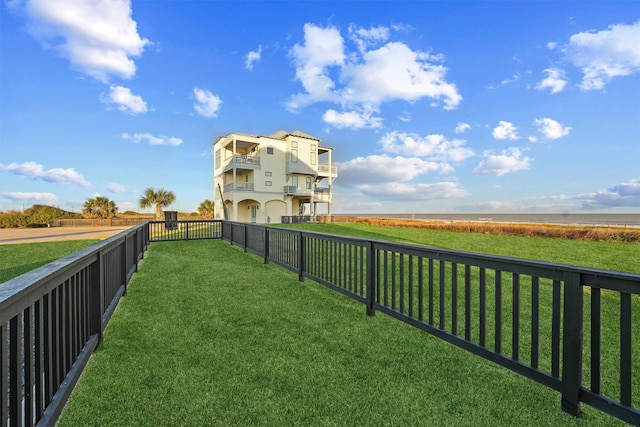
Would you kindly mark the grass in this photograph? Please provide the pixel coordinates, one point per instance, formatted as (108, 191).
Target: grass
(208, 335)
(20, 258)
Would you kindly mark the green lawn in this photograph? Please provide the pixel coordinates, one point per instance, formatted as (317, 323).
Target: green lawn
(21, 258)
(209, 335)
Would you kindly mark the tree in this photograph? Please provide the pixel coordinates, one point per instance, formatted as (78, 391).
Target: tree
(206, 209)
(99, 207)
(158, 199)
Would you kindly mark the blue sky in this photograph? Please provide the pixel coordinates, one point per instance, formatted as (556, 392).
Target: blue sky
(430, 106)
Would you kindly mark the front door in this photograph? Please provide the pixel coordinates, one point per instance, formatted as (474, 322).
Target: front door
(254, 213)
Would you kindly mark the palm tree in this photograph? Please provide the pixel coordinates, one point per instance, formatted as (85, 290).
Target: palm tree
(159, 199)
(99, 207)
(206, 210)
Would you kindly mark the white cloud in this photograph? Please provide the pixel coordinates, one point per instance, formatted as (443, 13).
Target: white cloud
(114, 187)
(405, 116)
(253, 56)
(55, 175)
(555, 80)
(625, 194)
(622, 195)
(152, 140)
(507, 161)
(32, 197)
(99, 38)
(490, 206)
(505, 130)
(364, 78)
(462, 127)
(395, 72)
(322, 48)
(434, 147)
(551, 129)
(352, 119)
(605, 54)
(378, 169)
(415, 192)
(125, 101)
(207, 104)
(364, 38)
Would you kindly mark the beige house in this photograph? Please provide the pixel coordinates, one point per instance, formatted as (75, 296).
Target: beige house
(260, 179)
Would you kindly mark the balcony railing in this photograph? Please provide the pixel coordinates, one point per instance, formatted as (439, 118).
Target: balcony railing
(297, 191)
(240, 186)
(325, 170)
(242, 161)
(321, 194)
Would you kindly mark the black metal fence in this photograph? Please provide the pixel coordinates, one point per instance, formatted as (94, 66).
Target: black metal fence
(541, 320)
(51, 320)
(184, 230)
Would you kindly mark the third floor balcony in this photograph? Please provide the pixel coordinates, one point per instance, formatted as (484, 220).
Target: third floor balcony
(242, 161)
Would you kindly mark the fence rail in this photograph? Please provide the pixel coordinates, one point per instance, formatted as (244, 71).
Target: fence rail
(541, 320)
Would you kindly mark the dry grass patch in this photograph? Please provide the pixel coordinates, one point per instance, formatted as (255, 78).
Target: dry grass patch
(593, 233)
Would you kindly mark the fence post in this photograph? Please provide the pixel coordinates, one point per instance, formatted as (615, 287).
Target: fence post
(186, 224)
(572, 344)
(123, 262)
(244, 239)
(301, 255)
(266, 245)
(371, 279)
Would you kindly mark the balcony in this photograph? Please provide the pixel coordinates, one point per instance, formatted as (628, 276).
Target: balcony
(240, 186)
(242, 161)
(292, 190)
(322, 195)
(326, 171)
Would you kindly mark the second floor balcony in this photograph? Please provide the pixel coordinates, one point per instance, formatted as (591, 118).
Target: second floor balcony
(322, 195)
(239, 186)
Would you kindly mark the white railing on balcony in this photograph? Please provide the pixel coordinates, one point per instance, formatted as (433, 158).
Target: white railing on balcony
(240, 186)
(299, 191)
(321, 194)
(325, 169)
(243, 160)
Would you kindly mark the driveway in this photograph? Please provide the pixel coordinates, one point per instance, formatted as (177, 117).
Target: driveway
(10, 236)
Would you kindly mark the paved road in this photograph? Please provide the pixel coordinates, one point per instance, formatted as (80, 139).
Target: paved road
(32, 235)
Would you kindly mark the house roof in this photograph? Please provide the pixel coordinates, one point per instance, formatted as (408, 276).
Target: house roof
(282, 134)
